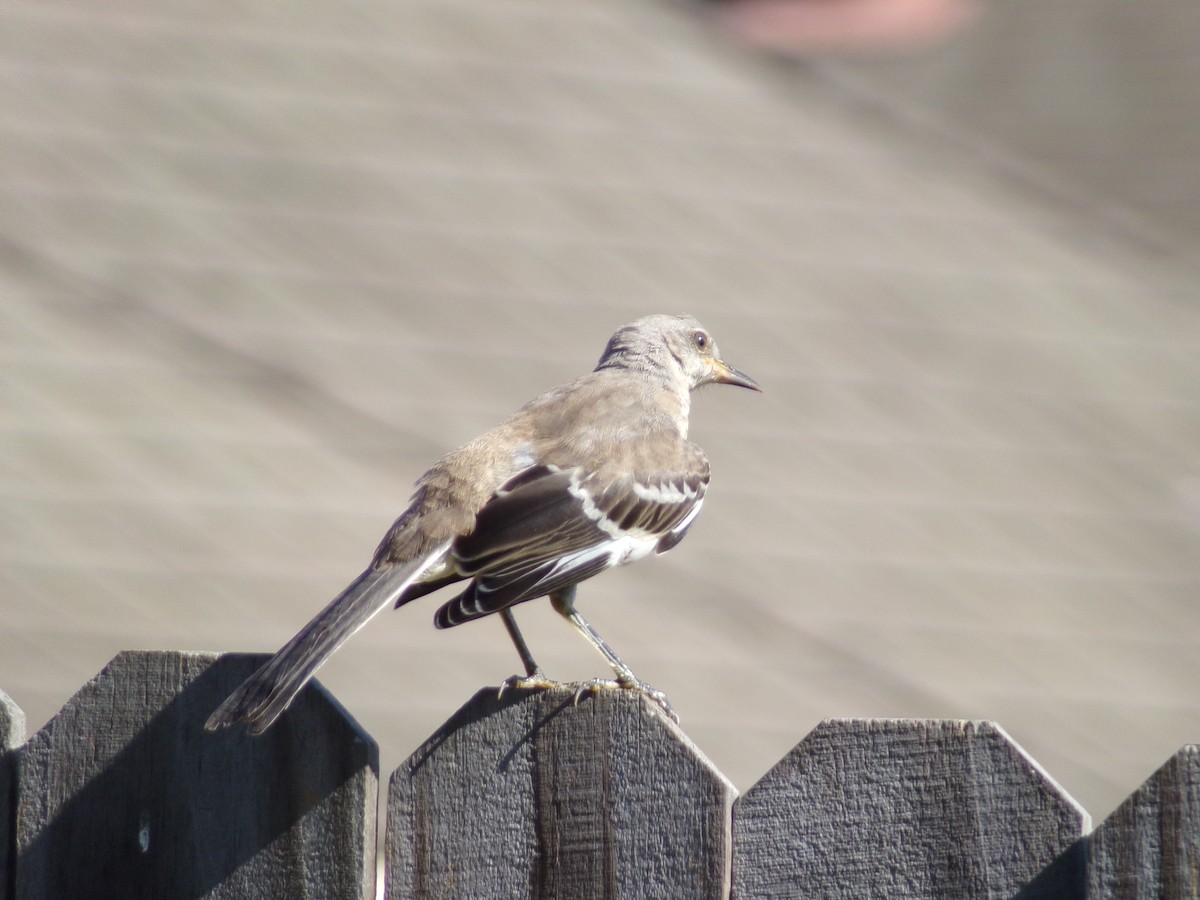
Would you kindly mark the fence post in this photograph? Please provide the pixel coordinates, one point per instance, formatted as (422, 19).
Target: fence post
(908, 808)
(12, 735)
(124, 794)
(532, 795)
(1150, 846)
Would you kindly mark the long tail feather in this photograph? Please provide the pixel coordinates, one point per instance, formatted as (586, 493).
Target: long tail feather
(266, 694)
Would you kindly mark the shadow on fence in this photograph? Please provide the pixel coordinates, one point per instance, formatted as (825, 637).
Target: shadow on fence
(123, 794)
(125, 784)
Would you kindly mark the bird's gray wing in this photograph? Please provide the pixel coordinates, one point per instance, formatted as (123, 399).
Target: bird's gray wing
(267, 693)
(550, 527)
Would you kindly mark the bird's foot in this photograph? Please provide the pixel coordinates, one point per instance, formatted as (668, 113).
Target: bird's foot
(591, 686)
(534, 681)
(659, 698)
(538, 681)
(624, 683)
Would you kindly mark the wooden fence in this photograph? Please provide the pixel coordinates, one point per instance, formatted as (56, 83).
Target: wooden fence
(123, 794)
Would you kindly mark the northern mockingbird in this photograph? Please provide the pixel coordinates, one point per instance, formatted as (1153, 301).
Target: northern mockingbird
(593, 474)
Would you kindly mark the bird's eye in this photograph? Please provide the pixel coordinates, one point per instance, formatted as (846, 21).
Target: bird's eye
(700, 339)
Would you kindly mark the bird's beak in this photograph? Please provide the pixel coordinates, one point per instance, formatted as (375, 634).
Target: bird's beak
(723, 373)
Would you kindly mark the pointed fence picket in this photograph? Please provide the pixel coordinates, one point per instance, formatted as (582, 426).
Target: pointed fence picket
(530, 794)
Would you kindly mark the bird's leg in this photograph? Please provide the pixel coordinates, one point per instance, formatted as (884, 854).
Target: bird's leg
(532, 669)
(533, 672)
(564, 604)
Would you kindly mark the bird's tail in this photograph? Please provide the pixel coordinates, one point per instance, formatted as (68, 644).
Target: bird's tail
(267, 693)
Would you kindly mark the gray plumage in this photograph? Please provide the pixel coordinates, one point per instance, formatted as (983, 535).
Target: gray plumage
(596, 473)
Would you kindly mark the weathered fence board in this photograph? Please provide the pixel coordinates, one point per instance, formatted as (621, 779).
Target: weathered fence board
(123, 794)
(12, 735)
(126, 785)
(907, 808)
(532, 795)
(1149, 848)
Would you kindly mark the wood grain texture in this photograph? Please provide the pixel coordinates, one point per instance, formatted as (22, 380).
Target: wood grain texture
(532, 795)
(12, 735)
(126, 785)
(907, 808)
(1150, 846)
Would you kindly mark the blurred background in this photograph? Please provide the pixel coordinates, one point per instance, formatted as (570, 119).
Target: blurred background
(261, 266)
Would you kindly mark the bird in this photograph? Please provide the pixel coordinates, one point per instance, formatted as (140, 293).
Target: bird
(595, 473)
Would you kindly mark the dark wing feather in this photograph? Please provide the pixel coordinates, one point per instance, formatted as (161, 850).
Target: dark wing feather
(550, 528)
(529, 519)
(533, 518)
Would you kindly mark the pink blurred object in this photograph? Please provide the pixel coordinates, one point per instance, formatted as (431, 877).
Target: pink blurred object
(846, 25)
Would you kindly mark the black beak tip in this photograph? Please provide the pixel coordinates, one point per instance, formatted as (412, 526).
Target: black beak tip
(730, 375)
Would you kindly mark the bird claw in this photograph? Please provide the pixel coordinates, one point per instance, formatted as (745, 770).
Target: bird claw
(657, 696)
(623, 683)
(591, 686)
(538, 681)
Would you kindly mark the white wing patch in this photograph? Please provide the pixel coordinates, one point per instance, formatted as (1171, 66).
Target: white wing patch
(688, 519)
(591, 510)
(664, 493)
(618, 552)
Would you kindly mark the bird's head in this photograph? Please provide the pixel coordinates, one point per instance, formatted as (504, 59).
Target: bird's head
(678, 344)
